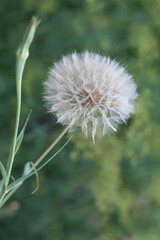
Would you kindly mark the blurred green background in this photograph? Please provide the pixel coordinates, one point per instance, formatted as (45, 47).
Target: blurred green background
(110, 191)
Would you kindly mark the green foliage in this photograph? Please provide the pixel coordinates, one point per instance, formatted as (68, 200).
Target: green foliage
(106, 191)
(21, 135)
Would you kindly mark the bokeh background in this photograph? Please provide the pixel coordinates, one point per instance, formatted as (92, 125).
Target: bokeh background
(109, 191)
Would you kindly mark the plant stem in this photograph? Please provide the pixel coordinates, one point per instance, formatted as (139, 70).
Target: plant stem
(19, 73)
(51, 146)
(4, 200)
(22, 54)
(38, 161)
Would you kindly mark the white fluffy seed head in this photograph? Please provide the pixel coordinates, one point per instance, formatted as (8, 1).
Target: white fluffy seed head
(90, 91)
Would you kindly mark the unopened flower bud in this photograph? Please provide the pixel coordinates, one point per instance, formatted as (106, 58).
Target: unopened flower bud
(23, 49)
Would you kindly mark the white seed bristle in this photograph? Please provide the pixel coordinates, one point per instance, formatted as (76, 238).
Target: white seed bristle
(90, 91)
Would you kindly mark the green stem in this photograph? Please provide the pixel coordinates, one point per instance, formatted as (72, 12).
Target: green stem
(38, 161)
(4, 200)
(19, 73)
(50, 147)
(22, 54)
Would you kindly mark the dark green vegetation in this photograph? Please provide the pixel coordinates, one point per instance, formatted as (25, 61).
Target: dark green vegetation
(109, 191)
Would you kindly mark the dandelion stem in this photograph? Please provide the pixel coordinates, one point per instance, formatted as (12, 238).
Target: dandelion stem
(50, 147)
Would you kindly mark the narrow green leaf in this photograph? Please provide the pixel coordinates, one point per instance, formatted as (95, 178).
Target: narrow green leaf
(22, 179)
(1, 186)
(27, 170)
(14, 185)
(37, 179)
(3, 171)
(21, 135)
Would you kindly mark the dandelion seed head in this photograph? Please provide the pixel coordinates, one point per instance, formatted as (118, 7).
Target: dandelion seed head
(91, 92)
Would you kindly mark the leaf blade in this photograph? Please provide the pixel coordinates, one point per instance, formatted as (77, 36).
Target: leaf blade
(26, 171)
(22, 179)
(1, 186)
(3, 171)
(21, 135)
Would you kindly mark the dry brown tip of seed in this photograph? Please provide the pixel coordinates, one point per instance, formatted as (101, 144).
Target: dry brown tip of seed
(87, 98)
